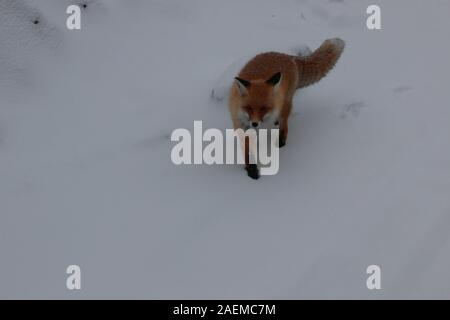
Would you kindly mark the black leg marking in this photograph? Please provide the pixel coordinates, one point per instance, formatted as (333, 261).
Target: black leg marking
(252, 171)
(281, 142)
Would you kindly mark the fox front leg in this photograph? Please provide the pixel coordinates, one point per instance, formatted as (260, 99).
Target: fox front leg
(283, 134)
(283, 123)
(251, 168)
(281, 142)
(282, 126)
(252, 171)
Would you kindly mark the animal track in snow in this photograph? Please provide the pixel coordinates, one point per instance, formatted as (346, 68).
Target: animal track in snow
(352, 109)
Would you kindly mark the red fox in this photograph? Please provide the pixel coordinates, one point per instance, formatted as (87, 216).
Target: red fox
(264, 88)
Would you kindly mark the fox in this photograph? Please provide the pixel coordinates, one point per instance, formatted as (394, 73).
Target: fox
(263, 90)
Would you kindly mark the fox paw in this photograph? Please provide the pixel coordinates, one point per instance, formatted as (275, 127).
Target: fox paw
(252, 171)
(281, 142)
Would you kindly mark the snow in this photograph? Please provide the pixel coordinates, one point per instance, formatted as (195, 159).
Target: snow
(86, 175)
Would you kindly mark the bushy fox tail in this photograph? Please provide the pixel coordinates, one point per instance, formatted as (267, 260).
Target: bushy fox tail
(315, 66)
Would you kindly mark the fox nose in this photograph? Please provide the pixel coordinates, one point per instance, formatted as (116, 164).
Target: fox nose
(255, 124)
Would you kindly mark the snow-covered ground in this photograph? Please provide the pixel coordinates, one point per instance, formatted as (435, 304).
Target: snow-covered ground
(86, 176)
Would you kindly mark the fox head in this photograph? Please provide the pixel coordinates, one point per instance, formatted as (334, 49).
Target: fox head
(260, 100)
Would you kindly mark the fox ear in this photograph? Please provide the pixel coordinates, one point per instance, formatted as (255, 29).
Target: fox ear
(242, 85)
(275, 79)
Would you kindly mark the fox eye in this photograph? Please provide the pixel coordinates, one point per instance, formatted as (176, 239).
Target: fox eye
(247, 109)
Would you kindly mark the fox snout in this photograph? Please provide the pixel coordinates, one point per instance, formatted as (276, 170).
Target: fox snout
(255, 120)
(248, 120)
(255, 124)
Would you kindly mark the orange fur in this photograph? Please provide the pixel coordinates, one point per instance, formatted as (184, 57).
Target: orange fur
(257, 98)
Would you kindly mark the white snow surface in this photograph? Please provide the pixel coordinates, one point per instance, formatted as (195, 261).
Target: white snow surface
(86, 176)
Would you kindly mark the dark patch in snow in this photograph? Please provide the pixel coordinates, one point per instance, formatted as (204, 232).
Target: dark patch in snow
(87, 3)
(19, 35)
(26, 32)
(91, 6)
